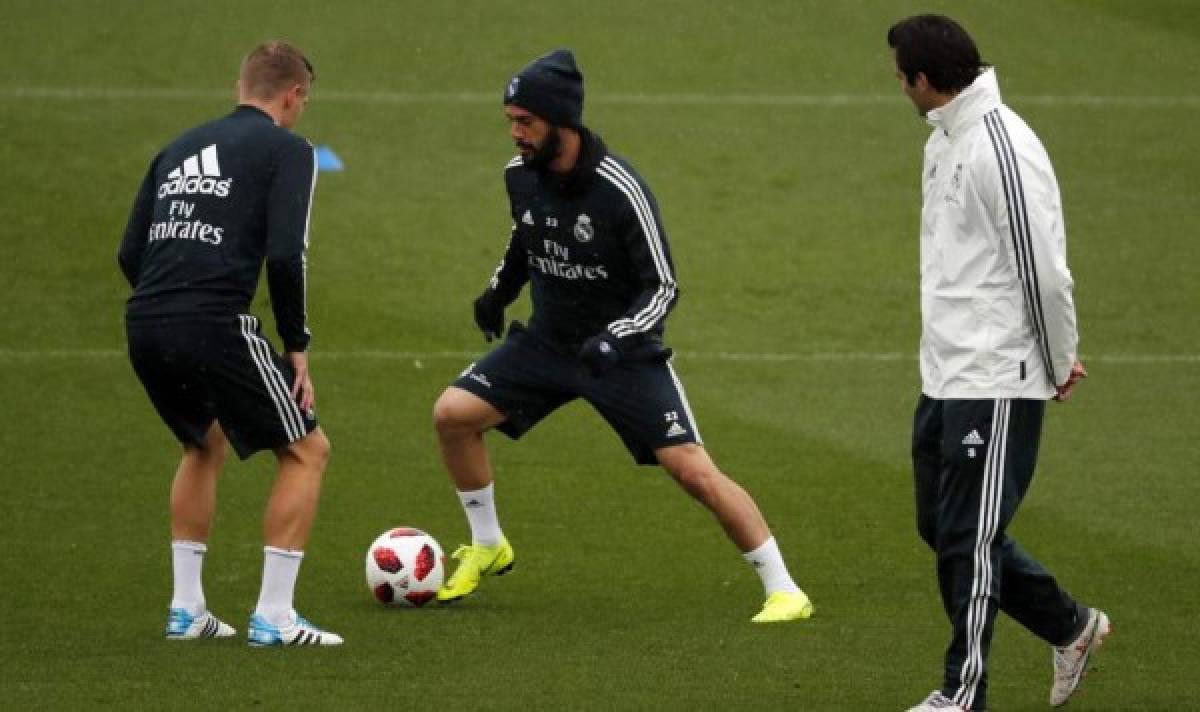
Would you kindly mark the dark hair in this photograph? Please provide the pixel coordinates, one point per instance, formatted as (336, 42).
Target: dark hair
(939, 48)
(273, 67)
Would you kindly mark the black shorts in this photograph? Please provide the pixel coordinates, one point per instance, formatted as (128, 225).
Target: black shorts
(198, 371)
(526, 380)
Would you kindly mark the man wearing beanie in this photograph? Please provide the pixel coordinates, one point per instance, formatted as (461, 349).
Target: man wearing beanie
(588, 238)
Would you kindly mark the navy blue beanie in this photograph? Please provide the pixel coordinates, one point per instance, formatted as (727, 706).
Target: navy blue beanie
(551, 87)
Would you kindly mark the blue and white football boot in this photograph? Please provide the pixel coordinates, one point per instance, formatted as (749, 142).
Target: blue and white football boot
(182, 625)
(298, 632)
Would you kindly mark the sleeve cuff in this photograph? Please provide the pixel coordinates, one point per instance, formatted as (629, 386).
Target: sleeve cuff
(296, 346)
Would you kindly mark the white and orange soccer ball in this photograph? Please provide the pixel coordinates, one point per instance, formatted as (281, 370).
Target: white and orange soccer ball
(405, 567)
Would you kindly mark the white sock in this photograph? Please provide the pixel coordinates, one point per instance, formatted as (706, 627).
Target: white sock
(768, 562)
(480, 507)
(187, 561)
(280, 567)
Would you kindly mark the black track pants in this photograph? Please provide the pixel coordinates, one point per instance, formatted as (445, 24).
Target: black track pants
(973, 461)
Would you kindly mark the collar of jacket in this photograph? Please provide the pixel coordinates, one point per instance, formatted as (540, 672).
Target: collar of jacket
(248, 110)
(591, 151)
(969, 105)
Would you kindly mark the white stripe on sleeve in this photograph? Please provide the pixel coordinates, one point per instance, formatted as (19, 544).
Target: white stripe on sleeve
(656, 309)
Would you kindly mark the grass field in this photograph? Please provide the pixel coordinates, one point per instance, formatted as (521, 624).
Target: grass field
(786, 163)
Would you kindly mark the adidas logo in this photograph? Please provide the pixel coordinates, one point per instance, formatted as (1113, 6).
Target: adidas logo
(197, 176)
(972, 438)
(527, 218)
(473, 504)
(675, 430)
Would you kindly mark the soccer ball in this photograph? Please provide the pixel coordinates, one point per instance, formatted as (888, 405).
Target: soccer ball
(405, 567)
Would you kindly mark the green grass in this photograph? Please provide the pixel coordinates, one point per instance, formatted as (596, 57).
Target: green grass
(794, 231)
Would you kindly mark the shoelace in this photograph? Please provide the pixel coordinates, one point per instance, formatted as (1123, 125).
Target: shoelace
(473, 554)
(301, 620)
(462, 554)
(1061, 659)
(467, 551)
(939, 700)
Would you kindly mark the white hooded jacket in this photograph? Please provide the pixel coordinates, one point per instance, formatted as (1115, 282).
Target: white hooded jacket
(997, 313)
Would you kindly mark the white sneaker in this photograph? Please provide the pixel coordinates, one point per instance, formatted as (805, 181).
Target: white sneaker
(1070, 662)
(298, 632)
(182, 625)
(935, 702)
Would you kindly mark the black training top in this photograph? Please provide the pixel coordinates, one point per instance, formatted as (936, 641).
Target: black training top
(593, 248)
(216, 203)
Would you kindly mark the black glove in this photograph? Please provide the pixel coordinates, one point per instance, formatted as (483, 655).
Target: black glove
(600, 353)
(489, 315)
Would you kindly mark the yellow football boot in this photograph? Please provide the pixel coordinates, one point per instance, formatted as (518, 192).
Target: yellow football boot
(474, 561)
(784, 606)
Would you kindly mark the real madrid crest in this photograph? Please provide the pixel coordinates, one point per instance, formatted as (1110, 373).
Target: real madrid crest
(584, 232)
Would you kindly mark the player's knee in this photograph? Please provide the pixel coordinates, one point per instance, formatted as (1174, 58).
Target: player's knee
(312, 450)
(321, 448)
(451, 416)
(697, 481)
(695, 472)
(445, 416)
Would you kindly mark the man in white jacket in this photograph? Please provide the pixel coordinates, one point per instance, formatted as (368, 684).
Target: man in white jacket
(998, 340)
